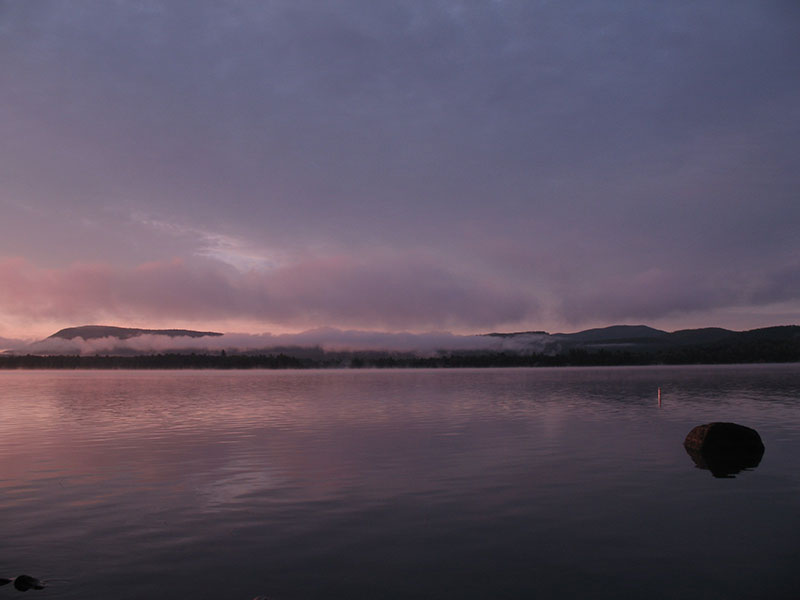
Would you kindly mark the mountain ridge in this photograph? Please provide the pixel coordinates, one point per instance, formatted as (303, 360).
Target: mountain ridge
(91, 332)
(614, 332)
(605, 346)
(643, 336)
(612, 335)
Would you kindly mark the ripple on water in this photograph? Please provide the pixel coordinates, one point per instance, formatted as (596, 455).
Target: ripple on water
(425, 484)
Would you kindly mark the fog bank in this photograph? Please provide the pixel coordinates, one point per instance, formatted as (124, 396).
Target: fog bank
(326, 339)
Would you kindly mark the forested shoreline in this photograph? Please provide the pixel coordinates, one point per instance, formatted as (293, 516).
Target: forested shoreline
(782, 351)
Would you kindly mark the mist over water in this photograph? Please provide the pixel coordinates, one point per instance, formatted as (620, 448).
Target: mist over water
(396, 484)
(327, 339)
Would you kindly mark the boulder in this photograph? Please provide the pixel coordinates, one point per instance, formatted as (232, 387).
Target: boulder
(724, 448)
(24, 582)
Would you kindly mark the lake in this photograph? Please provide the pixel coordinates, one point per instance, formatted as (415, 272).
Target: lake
(429, 484)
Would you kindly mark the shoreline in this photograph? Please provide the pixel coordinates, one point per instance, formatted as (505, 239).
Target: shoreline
(350, 361)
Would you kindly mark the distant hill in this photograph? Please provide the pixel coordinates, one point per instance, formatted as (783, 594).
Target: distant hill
(90, 332)
(649, 335)
(705, 345)
(614, 333)
(706, 335)
(98, 346)
(516, 333)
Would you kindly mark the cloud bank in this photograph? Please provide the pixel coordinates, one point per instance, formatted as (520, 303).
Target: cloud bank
(389, 293)
(369, 293)
(326, 339)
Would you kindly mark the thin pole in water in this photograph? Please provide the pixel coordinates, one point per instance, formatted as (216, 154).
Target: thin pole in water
(659, 396)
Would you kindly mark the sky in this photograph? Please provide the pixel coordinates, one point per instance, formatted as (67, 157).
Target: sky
(278, 166)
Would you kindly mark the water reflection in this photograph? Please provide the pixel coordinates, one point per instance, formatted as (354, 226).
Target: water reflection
(381, 484)
(725, 465)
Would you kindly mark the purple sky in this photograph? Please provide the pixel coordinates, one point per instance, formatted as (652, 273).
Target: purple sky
(275, 166)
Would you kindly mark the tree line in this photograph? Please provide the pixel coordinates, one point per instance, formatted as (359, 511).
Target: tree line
(750, 351)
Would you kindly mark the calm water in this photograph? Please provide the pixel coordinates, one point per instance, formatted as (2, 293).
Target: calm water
(566, 483)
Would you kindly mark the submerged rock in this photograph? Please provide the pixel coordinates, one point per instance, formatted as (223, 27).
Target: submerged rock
(724, 448)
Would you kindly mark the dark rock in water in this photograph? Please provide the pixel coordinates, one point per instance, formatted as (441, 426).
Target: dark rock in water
(724, 437)
(724, 448)
(24, 583)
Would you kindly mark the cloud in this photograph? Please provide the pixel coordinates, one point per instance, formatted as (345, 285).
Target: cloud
(382, 292)
(428, 165)
(327, 339)
(659, 292)
(377, 292)
(11, 344)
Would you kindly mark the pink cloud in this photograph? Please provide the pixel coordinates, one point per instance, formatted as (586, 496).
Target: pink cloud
(379, 291)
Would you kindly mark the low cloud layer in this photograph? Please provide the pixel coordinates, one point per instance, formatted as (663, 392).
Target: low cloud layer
(377, 293)
(385, 293)
(327, 339)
